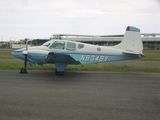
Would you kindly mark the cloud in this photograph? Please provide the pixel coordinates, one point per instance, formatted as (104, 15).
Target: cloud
(41, 18)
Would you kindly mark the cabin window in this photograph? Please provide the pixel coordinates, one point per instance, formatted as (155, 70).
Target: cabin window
(80, 46)
(71, 46)
(57, 45)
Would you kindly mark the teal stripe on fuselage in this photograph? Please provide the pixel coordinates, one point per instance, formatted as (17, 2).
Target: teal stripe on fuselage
(92, 59)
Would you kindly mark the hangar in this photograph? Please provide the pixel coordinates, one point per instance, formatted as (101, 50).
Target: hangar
(150, 40)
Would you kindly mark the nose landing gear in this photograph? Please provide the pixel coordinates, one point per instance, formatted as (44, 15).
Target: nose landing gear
(24, 70)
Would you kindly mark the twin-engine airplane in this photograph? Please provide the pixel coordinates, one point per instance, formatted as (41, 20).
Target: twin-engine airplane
(64, 52)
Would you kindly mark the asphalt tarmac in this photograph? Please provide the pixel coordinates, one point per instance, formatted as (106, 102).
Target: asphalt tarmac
(41, 95)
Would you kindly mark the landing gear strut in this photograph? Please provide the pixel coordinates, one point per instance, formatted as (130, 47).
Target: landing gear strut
(59, 73)
(24, 70)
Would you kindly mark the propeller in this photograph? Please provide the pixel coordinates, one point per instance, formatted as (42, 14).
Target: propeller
(25, 53)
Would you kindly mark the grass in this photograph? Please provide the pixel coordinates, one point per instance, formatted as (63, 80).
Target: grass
(150, 57)
(95, 67)
(115, 68)
(15, 66)
(6, 55)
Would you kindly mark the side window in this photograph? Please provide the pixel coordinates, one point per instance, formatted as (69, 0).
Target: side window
(71, 46)
(80, 46)
(57, 45)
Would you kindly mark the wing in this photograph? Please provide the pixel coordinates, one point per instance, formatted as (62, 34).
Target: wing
(76, 58)
(62, 58)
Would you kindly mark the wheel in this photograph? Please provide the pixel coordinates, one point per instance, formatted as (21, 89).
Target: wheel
(59, 73)
(23, 71)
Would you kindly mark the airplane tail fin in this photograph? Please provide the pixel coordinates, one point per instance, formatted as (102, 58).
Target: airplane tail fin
(131, 43)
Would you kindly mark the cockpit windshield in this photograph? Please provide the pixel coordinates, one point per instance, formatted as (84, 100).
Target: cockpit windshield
(48, 43)
(54, 44)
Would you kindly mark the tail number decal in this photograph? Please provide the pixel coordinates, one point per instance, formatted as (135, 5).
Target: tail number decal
(98, 58)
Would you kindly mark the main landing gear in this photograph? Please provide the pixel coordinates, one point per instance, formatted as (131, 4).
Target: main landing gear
(59, 73)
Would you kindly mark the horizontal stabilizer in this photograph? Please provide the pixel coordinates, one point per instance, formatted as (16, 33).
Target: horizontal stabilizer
(132, 53)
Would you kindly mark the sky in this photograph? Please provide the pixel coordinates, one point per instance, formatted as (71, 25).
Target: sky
(39, 19)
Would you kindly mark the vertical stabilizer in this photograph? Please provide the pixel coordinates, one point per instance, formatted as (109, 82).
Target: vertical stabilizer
(131, 42)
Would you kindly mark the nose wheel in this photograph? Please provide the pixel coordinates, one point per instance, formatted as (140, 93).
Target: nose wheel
(23, 70)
